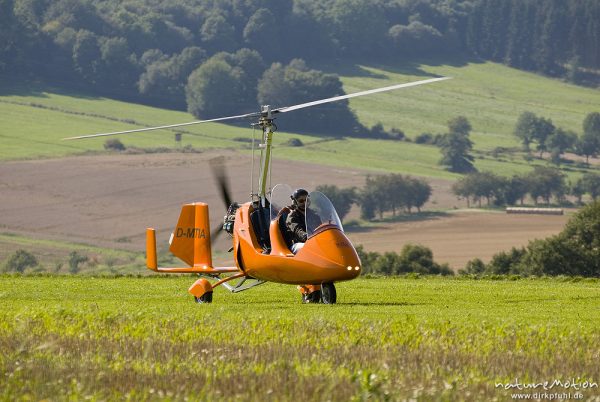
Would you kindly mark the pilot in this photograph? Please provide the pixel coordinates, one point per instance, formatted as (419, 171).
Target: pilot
(296, 220)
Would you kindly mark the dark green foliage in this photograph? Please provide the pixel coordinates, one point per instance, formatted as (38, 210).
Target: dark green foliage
(559, 142)
(105, 43)
(525, 128)
(573, 252)
(20, 261)
(214, 89)
(505, 262)
(295, 83)
(515, 189)
(164, 79)
(590, 184)
(531, 128)
(589, 143)
(456, 146)
(114, 144)
(480, 185)
(424, 138)
(392, 193)
(542, 182)
(473, 267)
(415, 38)
(294, 142)
(341, 198)
(75, 259)
(547, 182)
(412, 259)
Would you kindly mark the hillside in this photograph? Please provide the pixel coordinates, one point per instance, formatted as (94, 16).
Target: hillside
(34, 118)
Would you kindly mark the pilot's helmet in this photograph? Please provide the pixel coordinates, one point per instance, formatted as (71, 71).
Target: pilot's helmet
(297, 194)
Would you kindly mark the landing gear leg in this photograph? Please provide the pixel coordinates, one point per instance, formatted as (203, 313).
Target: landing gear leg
(314, 297)
(328, 294)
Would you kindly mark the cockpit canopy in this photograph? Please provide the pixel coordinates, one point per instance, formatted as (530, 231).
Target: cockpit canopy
(320, 210)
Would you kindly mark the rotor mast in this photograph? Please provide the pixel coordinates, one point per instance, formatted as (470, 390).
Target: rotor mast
(266, 147)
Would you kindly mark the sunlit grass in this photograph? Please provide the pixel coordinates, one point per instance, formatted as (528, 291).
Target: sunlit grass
(426, 338)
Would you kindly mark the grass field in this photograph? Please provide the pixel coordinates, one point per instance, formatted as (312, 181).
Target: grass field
(75, 338)
(33, 118)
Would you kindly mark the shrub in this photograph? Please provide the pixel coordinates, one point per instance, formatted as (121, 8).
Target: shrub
(294, 142)
(74, 260)
(506, 262)
(413, 259)
(473, 267)
(20, 261)
(424, 138)
(114, 144)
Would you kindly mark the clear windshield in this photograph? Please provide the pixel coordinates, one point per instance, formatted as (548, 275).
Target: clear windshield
(280, 197)
(320, 211)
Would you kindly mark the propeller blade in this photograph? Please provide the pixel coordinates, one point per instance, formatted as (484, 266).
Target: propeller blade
(216, 232)
(218, 167)
(241, 116)
(353, 95)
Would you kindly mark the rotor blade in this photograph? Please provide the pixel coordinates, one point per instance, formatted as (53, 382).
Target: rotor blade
(163, 127)
(218, 167)
(369, 92)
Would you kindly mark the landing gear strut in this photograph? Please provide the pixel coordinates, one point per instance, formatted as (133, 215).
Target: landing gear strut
(318, 294)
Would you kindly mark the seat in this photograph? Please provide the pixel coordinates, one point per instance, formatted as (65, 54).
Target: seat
(280, 238)
(260, 223)
(285, 233)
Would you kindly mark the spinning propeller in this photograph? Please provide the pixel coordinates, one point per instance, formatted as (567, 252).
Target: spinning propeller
(217, 166)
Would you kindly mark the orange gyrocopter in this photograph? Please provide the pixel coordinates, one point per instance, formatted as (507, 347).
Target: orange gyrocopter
(261, 245)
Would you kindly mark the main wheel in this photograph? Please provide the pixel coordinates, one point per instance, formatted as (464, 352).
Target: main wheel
(205, 298)
(328, 295)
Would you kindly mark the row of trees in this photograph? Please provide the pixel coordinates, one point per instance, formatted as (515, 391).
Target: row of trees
(575, 251)
(413, 258)
(456, 146)
(547, 137)
(228, 83)
(151, 51)
(549, 36)
(541, 183)
(381, 194)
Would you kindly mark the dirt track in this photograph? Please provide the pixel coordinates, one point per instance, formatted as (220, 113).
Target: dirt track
(109, 200)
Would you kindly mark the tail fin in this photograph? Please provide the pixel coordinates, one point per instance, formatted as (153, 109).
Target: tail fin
(191, 239)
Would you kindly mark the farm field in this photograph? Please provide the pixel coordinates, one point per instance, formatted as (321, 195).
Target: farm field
(100, 206)
(78, 337)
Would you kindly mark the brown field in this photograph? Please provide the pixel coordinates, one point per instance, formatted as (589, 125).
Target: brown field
(108, 200)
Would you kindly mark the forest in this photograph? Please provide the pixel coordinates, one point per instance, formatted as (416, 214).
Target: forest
(179, 54)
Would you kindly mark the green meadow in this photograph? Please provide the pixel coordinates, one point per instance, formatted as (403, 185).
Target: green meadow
(128, 338)
(34, 118)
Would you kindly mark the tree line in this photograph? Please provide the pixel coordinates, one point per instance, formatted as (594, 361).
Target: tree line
(161, 52)
(574, 252)
(542, 183)
(394, 193)
(531, 129)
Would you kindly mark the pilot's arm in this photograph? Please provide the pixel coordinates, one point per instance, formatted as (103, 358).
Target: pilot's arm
(295, 224)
